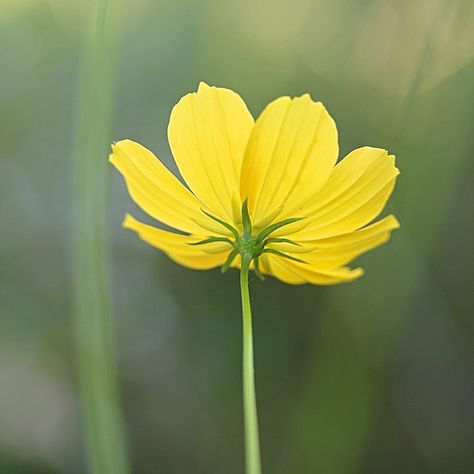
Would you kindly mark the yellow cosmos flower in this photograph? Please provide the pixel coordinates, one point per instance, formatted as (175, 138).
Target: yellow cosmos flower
(269, 191)
(264, 194)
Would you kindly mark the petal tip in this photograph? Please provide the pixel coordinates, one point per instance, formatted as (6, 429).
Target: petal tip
(117, 145)
(123, 142)
(357, 273)
(203, 86)
(113, 147)
(394, 222)
(117, 149)
(128, 222)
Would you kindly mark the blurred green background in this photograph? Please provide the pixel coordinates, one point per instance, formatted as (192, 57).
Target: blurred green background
(369, 377)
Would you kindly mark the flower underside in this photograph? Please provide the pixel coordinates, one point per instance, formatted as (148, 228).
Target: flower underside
(248, 244)
(248, 183)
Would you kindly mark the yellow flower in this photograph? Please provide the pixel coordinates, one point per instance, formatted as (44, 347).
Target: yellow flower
(268, 190)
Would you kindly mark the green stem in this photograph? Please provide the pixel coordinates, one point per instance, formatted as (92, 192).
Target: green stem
(252, 443)
(102, 419)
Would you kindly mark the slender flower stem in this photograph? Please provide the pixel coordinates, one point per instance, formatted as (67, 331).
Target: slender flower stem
(102, 420)
(252, 443)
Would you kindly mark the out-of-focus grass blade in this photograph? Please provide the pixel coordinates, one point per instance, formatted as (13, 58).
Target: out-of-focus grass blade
(102, 420)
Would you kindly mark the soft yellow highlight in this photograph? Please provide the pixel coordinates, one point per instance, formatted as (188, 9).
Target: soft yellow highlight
(284, 164)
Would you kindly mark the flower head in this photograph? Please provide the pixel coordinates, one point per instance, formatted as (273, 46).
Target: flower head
(268, 192)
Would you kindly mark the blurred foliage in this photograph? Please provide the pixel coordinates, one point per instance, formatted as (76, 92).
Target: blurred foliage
(370, 377)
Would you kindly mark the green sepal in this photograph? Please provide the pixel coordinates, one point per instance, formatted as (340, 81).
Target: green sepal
(232, 229)
(256, 269)
(284, 255)
(278, 240)
(229, 260)
(246, 221)
(272, 228)
(211, 240)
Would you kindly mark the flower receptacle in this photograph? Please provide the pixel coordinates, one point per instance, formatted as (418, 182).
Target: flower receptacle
(249, 246)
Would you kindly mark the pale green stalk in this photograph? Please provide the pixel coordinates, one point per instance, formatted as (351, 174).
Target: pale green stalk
(101, 416)
(252, 443)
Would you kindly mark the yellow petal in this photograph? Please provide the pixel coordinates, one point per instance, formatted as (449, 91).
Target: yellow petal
(176, 246)
(336, 251)
(268, 267)
(208, 133)
(155, 189)
(292, 150)
(354, 195)
(297, 273)
(384, 225)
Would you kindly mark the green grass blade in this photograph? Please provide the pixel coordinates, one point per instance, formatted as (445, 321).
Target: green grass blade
(102, 420)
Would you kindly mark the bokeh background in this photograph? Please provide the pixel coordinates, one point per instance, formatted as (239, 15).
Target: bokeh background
(369, 377)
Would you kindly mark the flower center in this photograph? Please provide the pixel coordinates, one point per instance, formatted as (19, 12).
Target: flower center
(250, 247)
